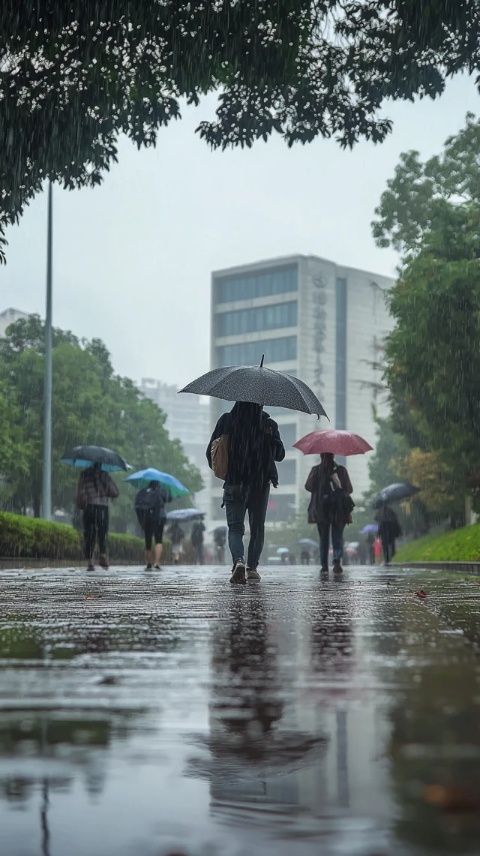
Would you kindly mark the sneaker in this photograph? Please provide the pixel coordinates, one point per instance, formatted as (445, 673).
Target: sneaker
(103, 561)
(148, 567)
(337, 566)
(157, 567)
(252, 574)
(324, 569)
(238, 572)
(90, 567)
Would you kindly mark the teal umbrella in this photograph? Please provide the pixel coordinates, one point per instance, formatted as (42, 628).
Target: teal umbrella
(142, 478)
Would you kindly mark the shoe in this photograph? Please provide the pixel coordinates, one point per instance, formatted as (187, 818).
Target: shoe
(148, 567)
(252, 574)
(90, 567)
(157, 567)
(238, 572)
(337, 566)
(103, 561)
(324, 569)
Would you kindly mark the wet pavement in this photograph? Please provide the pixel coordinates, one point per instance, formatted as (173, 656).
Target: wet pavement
(166, 712)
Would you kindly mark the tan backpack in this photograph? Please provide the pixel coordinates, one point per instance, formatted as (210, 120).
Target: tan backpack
(219, 455)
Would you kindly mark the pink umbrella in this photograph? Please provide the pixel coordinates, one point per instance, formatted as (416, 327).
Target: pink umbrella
(332, 440)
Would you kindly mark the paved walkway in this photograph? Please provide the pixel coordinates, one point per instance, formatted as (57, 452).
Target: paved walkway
(152, 713)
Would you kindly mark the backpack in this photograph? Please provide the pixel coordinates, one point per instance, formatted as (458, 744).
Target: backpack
(219, 455)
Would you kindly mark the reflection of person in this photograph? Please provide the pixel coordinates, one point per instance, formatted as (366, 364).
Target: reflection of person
(388, 530)
(94, 490)
(176, 535)
(330, 506)
(196, 538)
(254, 445)
(150, 508)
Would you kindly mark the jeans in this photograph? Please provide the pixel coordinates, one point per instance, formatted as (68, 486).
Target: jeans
(95, 526)
(337, 542)
(388, 547)
(237, 503)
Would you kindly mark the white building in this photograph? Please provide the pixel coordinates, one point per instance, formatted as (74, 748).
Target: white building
(9, 316)
(315, 319)
(188, 420)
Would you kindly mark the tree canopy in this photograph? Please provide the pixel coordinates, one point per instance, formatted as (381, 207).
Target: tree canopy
(74, 75)
(90, 405)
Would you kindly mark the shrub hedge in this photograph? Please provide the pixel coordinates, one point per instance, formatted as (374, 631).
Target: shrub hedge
(459, 545)
(32, 538)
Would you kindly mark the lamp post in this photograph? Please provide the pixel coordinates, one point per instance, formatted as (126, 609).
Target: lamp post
(47, 383)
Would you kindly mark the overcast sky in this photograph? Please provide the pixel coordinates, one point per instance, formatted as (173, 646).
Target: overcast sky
(132, 259)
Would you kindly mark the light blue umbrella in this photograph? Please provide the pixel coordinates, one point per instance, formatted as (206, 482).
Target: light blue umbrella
(185, 514)
(142, 478)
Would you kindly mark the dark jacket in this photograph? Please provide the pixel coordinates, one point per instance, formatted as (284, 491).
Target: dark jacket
(320, 511)
(273, 450)
(150, 502)
(388, 525)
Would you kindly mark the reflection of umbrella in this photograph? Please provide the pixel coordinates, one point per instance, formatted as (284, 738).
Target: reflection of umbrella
(143, 477)
(394, 493)
(308, 542)
(282, 551)
(84, 456)
(334, 441)
(369, 529)
(185, 514)
(258, 385)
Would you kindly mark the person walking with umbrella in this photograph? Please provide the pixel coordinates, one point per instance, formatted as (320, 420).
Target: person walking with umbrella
(95, 489)
(150, 504)
(330, 506)
(389, 530)
(196, 538)
(253, 445)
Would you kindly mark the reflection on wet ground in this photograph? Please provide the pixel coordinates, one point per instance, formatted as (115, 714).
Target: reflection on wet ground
(153, 714)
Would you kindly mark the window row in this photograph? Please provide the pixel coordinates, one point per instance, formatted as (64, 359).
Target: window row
(259, 284)
(250, 353)
(253, 320)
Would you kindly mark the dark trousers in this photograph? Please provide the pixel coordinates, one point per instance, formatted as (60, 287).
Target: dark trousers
(337, 542)
(388, 547)
(236, 506)
(95, 528)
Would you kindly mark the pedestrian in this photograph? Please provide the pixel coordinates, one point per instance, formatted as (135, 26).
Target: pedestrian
(196, 538)
(220, 539)
(377, 550)
(95, 488)
(176, 535)
(150, 504)
(330, 506)
(251, 444)
(388, 529)
(370, 544)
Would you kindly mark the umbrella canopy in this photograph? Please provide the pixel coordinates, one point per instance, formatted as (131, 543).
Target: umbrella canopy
(85, 456)
(308, 542)
(143, 477)
(258, 385)
(333, 440)
(282, 551)
(370, 529)
(394, 493)
(185, 514)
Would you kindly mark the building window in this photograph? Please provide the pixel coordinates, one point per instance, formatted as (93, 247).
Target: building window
(287, 472)
(250, 353)
(341, 354)
(259, 318)
(278, 280)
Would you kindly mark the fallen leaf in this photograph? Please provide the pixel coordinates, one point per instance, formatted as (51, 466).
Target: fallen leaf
(421, 593)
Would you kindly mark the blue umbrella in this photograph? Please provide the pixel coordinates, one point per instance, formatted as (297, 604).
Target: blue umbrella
(143, 477)
(369, 529)
(185, 514)
(84, 456)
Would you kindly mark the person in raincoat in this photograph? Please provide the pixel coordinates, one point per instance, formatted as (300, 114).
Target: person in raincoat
(254, 445)
(330, 506)
(389, 530)
(95, 489)
(150, 504)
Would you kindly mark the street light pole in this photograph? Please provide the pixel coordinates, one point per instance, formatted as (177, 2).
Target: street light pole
(47, 383)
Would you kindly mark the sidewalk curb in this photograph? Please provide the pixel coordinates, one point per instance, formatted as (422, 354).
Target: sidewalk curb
(463, 567)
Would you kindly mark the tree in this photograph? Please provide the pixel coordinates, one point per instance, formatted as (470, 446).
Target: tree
(74, 75)
(90, 405)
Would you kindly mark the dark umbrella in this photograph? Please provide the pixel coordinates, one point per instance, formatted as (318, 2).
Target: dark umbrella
(258, 385)
(84, 456)
(394, 493)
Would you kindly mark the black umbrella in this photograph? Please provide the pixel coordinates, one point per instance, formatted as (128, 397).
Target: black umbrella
(258, 385)
(394, 493)
(84, 456)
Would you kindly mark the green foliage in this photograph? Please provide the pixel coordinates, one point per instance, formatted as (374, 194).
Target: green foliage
(76, 74)
(29, 538)
(90, 405)
(461, 545)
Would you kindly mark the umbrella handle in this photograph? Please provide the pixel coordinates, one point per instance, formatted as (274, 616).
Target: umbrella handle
(261, 361)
